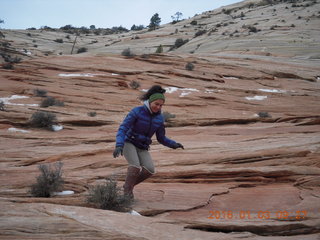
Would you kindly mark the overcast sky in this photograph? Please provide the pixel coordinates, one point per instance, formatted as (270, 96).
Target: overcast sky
(22, 14)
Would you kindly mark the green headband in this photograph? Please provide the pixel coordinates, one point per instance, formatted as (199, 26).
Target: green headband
(156, 96)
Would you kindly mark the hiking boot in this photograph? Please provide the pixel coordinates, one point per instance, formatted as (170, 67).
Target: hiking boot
(131, 178)
(143, 175)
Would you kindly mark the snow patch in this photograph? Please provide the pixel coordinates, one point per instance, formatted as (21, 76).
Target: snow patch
(231, 78)
(135, 213)
(56, 128)
(17, 130)
(209, 91)
(258, 98)
(171, 89)
(63, 193)
(13, 97)
(115, 74)
(272, 90)
(76, 75)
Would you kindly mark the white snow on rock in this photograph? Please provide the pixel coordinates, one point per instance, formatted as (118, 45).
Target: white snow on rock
(272, 90)
(17, 130)
(135, 213)
(184, 94)
(56, 128)
(76, 75)
(258, 98)
(8, 100)
(63, 193)
(231, 78)
(209, 91)
(84, 74)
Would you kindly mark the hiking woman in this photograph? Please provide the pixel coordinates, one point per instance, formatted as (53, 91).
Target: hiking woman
(134, 137)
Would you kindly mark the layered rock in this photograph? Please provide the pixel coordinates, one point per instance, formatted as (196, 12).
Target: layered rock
(249, 124)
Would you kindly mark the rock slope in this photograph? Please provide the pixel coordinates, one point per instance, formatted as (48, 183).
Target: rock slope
(249, 123)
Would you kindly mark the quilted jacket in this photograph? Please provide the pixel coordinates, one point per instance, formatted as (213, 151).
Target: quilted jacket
(140, 125)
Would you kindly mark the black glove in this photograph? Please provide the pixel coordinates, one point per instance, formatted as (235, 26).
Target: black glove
(177, 145)
(117, 151)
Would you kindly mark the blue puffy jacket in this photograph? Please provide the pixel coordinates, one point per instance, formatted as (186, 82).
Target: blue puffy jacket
(139, 126)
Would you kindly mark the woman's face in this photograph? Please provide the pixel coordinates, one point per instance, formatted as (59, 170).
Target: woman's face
(156, 105)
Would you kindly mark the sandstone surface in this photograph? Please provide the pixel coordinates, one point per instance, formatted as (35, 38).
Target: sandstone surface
(248, 118)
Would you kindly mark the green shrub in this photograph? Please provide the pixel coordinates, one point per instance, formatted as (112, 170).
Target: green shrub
(264, 115)
(51, 101)
(109, 197)
(194, 22)
(200, 32)
(49, 181)
(189, 66)
(40, 92)
(134, 84)
(167, 116)
(178, 43)
(159, 49)
(8, 66)
(82, 50)
(59, 40)
(2, 106)
(127, 53)
(42, 119)
(92, 114)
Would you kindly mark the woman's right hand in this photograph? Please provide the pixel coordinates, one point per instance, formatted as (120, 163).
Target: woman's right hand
(117, 151)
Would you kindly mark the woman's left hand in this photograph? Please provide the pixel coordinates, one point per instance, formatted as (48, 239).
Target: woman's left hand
(178, 145)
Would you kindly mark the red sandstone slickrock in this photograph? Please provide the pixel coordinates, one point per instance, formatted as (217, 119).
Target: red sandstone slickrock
(248, 116)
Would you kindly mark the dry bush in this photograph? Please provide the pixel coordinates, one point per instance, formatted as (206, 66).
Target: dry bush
(167, 116)
(49, 181)
(42, 119)
(51, 101)
(109, 197)
(40, 92)
(189, 66)
(134, 84)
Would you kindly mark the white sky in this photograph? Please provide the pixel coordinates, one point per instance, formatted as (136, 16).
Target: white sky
(22, 14)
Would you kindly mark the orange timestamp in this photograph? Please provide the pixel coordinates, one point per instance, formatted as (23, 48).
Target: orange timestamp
(263, 215)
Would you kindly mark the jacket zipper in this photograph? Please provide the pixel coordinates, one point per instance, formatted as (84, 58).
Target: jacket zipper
(148, 133)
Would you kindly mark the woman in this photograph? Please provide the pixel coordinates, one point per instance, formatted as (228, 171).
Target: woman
(134, 137)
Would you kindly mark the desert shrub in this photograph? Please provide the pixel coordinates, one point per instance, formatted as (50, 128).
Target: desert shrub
(82, 50)
(9, 59)
(194, 22)
(108, 196)
(200, 32)
(127, 53)
(167, 116)
(264, 115)
(7, 66)
(59, 40)
(134, 84)
(189, 66)
(178, 43)
(159, 49)
(253, 29)
(2, 106)
(226, 11)
(92, 114)
(40, 92)
(51, 101)
(49, 181)
(41, 119)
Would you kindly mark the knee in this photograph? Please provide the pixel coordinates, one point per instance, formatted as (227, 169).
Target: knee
(149, 169)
